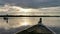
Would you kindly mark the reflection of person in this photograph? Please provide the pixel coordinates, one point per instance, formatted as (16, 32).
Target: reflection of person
(40, 21)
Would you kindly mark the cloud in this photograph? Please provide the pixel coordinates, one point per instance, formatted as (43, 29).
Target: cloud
(32, 3)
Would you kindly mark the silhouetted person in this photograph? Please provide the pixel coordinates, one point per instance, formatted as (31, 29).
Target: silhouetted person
(40, 21)
(6, 19)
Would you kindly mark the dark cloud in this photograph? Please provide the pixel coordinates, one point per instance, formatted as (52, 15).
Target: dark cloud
(32, 3)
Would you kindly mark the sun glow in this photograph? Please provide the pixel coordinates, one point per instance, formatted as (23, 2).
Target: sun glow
(25, 24)
(16, 10)
(10, 8)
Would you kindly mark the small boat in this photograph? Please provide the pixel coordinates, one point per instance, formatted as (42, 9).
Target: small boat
(37, 29)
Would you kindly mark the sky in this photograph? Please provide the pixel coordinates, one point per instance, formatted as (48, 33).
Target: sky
(32, 3)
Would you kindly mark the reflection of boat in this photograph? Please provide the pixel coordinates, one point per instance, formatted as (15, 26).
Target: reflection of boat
(37, 29)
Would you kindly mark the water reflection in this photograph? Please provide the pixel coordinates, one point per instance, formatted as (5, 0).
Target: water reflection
(14, 21)
(17, 23)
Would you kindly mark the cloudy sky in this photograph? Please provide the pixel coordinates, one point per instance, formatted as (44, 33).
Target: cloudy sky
(39, 7)
(31, 3)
